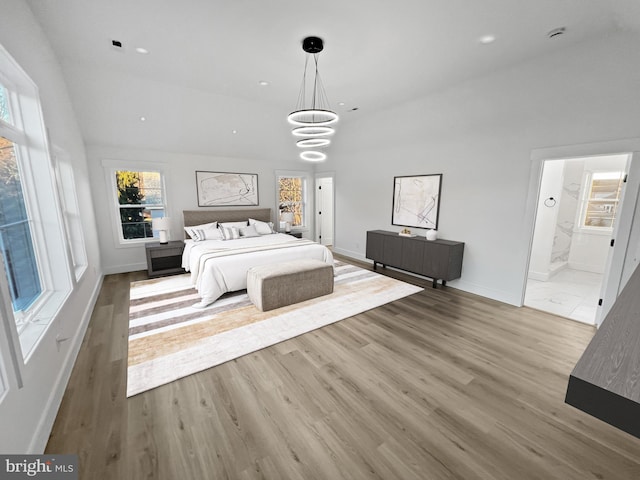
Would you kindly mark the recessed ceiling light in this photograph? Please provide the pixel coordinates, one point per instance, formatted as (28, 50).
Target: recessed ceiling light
(263, 83)
(341, 104)
(141, 50)
(234, 131)
(143, 119)
(557, 32)
(487, 39)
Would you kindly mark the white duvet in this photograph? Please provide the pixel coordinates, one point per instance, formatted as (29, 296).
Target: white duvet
(220, 266)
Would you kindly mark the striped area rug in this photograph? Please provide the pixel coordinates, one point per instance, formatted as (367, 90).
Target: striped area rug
(169, 339)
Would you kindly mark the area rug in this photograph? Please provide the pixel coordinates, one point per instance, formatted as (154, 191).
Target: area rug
(169, 339)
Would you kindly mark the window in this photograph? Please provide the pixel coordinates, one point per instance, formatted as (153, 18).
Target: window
(292, 197)
(32, 241)
(601, 201)
(4, 105)
(16, 242)
(70, 212)
(139, 197)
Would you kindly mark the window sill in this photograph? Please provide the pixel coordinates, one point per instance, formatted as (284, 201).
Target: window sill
(603, 231)
(31, 333)
(135, 243)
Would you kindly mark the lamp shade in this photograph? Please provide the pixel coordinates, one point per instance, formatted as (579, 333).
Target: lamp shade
(287, 217)
(160, 223)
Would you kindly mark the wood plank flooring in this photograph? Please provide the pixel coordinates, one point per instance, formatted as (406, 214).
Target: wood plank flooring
(439, 385)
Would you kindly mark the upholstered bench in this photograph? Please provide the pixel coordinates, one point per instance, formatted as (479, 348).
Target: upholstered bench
(279, 284)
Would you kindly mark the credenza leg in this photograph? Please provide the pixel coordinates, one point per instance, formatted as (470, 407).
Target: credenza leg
(435, 283)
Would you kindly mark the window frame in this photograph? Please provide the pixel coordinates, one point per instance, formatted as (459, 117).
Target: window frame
(586, 200)
(110, 168)
(27, 131)
(70, 209)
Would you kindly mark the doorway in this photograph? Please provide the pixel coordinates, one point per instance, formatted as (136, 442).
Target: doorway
(324, 209)
(578, 204)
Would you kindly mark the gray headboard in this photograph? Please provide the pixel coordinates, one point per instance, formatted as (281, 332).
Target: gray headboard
(198, 217)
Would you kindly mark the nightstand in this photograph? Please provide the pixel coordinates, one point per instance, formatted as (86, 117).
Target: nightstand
(294, 234)
(164, 259)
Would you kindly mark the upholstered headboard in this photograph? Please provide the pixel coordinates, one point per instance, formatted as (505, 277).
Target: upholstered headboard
(198, 217)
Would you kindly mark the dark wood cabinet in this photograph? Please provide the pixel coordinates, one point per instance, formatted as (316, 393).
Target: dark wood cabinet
(436, 259)
(164, 259)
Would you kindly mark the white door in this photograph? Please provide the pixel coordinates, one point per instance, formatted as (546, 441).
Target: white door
(623, 253)
(324, 210)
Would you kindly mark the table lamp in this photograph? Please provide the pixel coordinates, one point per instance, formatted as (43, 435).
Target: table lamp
(161, 224)
(287, 218)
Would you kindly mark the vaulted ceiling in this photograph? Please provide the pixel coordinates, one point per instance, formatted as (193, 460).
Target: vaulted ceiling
(200, 80)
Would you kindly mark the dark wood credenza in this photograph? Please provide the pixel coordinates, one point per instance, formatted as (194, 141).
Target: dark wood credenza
(436, 259)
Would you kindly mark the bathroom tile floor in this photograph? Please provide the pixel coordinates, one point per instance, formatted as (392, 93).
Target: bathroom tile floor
(569, 293)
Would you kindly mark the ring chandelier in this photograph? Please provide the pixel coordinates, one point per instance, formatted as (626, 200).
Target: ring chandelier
(314, 121)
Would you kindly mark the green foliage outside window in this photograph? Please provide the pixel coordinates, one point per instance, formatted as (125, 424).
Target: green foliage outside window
(140, 199)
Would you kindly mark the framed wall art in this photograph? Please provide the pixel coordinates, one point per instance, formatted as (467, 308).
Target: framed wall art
(226, 189)
(416, 201)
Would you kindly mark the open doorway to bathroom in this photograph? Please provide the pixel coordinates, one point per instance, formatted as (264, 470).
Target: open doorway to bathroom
(575, 219)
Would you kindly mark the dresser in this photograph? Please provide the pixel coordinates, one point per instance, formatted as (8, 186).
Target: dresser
(436, 259)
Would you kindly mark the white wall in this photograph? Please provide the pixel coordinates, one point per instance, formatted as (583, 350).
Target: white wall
(546, 220)
(480, 135)
(568, 211)
(27, 414)
(181, 193)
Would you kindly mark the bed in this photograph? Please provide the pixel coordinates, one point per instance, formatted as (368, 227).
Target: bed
(219, 264)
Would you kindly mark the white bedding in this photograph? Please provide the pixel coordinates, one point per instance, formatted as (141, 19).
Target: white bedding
(220, 266)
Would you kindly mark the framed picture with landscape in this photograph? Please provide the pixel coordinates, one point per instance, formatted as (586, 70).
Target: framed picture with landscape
(416, 201)
(218, 189)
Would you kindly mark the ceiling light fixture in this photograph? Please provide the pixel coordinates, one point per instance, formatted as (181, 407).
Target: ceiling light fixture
(313, 142)
(313, 156)
(312, 118)
(319, 131)
(142, 51)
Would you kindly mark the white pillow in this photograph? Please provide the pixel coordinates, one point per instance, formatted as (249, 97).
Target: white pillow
(190, 229)
(249, 231)
(200, 234)
(234, 224)
(263, 228)
(229, 233)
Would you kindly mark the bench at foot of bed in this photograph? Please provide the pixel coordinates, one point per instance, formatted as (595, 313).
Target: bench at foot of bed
(280, 284)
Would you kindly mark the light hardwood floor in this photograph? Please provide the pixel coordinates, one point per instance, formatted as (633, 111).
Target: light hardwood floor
(439, 385)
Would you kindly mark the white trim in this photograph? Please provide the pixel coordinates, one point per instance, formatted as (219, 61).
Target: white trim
(70, 210)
